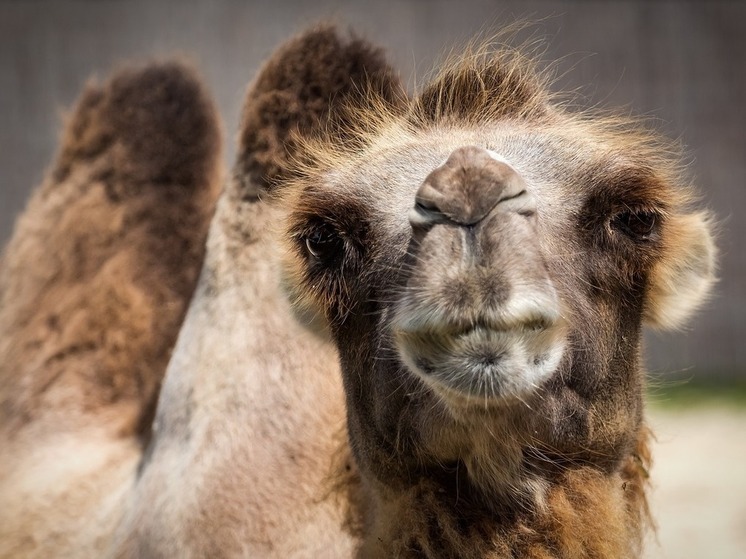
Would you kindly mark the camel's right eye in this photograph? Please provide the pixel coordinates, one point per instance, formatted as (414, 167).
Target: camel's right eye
(324, 244)
(639, 225)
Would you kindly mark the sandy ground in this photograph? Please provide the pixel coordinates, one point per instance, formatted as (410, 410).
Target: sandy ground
(699, 480)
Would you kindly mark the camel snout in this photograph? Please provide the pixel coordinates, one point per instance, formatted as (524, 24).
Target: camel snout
(471, 184)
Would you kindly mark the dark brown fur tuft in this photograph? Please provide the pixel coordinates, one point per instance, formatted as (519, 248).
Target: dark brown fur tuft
(156, 122)
(103, 262)
(296, 90)
(481, 86)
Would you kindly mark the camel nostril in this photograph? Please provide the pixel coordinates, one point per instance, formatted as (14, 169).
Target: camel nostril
(426, 210)
(423, 216)
(425, 207)
(511, 197)
(523, 203)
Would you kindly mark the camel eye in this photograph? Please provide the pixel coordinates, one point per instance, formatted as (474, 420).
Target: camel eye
(323, 243)
(637, 224)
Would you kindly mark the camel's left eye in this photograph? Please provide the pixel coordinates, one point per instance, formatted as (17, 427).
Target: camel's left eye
(638, 224)
(323, 243)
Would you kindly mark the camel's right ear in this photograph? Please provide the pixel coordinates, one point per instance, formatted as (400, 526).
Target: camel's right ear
(297, 92)
(682, 278)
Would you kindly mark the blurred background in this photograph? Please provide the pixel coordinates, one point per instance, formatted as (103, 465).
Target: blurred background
(680, 63)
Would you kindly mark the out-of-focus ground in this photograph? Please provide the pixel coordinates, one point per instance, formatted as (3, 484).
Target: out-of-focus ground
(699, 480)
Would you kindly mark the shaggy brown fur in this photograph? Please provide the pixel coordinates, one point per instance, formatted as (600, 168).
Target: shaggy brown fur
(95, 281)
(575, 521)
(557, 467)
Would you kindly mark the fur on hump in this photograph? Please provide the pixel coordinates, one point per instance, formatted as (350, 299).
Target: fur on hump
(97, 276)
(300, 93)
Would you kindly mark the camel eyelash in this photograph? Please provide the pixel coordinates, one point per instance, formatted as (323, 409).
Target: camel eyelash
(640, 224)
(323, 243)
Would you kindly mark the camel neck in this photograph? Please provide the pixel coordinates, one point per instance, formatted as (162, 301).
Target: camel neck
(584, 512)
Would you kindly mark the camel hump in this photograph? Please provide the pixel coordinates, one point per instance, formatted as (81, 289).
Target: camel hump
(299, 91)
(105, 258)
(152, 124)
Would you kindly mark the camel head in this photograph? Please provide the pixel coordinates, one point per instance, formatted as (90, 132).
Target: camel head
(485, 259)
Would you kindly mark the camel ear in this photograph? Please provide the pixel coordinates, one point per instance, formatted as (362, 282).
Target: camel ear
(681, 280)
(296, 95)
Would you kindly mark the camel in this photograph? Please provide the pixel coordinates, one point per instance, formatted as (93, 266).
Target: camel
(484, 259)
(94, 284)
(363, 265)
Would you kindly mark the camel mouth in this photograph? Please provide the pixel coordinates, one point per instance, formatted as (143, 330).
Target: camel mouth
(484, 361)
(459, 328)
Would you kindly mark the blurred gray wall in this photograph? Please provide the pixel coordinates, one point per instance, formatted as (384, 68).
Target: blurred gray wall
(681, 62)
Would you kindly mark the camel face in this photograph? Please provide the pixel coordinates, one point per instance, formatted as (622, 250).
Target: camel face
(492, 278)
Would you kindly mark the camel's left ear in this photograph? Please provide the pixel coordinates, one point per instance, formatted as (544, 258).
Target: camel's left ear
(682, 279)
(298, 93)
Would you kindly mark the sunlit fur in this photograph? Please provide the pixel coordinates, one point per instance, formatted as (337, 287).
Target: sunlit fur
(557, 471)
(94, 285)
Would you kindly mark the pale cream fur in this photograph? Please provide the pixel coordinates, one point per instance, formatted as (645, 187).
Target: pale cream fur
(683, 279)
